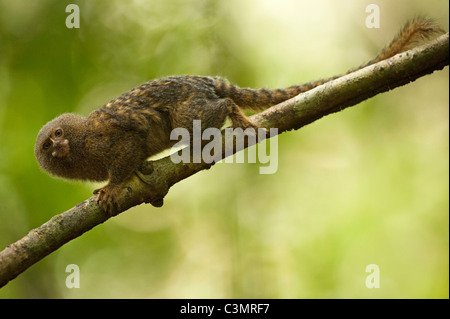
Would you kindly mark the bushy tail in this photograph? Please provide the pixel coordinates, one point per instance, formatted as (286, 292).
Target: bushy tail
(415, 30)
(412, 33)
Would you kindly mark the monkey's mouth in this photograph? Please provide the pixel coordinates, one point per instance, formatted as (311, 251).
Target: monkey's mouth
(60, 149)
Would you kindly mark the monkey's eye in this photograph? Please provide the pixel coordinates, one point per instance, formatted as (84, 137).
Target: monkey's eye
(58, 132)
(46, 145)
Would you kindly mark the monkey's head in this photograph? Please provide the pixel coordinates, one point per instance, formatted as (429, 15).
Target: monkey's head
(58, 145)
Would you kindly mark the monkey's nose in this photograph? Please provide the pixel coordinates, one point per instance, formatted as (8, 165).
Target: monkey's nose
(60, 148)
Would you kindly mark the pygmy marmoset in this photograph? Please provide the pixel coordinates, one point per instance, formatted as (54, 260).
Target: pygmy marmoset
(113, 141)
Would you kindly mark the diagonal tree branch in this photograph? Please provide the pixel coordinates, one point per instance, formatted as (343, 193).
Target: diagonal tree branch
(155, 178)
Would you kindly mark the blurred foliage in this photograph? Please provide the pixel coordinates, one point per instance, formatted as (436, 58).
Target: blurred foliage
(368, 185)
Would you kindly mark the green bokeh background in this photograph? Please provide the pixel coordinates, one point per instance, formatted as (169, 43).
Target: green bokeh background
(365, 186)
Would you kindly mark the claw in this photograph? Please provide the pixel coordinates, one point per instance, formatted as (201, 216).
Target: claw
(107, 199)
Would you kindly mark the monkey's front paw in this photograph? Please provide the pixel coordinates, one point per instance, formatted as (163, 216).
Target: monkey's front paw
(107, 199)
